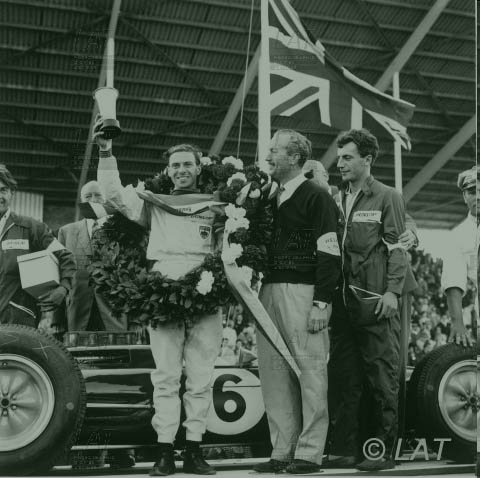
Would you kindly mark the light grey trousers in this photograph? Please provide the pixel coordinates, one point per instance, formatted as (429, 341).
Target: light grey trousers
(296, 408)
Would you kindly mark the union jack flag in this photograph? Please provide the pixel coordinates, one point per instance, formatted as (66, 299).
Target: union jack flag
(306, 83)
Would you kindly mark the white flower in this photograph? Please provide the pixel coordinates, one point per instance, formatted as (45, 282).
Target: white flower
(255, 194)
(246, 273)
(140, 187)
(231, 253)
(238, 163)
(239, 176)
(232, 224)
(205, 161)
(235, 212)
(205, 283)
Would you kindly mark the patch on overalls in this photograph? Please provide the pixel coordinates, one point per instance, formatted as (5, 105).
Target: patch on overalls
(205, 231)
(10, 244)
(367, 216)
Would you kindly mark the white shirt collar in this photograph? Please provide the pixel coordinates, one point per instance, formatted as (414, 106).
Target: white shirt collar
(290, 187)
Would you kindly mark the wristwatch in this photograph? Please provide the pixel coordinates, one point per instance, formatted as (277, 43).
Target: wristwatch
(321, 305)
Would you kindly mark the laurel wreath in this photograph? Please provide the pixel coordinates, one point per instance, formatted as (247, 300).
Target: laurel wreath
(121, 272)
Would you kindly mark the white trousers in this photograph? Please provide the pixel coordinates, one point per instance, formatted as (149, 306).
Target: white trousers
(197, 347)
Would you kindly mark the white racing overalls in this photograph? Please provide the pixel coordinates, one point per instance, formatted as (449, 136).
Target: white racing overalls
(177, 244)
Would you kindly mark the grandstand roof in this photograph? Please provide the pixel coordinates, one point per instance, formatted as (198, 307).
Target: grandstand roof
(179, 65)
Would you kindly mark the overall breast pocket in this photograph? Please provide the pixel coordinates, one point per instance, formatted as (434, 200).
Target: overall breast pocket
(365, 230)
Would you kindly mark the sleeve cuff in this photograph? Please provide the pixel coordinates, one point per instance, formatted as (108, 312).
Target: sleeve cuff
(105, 154)
(395, 289)
(322, 296)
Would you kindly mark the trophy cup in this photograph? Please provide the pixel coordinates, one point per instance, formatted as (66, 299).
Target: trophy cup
(106, 98)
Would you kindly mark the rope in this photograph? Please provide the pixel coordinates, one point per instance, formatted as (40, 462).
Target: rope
(245, 79)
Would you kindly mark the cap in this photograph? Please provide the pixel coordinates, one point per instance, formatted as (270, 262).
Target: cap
(467, 179)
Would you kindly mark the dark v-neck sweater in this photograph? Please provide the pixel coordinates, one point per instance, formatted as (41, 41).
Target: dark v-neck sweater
(304, 247)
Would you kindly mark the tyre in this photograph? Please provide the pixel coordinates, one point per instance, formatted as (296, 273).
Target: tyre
(42, 400)
(412, 390)
(447, 401)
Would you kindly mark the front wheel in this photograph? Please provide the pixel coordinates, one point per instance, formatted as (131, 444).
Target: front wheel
(448, 400)
(42, 400)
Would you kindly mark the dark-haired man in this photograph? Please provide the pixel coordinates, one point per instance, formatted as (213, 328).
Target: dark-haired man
(304, 260)
(365, 323)
(21, 235)
(176, 244)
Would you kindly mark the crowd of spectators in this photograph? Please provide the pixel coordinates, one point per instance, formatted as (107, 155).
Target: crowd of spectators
(239, 346)
(430, 321)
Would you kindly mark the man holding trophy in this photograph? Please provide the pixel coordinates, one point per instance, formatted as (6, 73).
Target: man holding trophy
(176, 247)
(20, 236)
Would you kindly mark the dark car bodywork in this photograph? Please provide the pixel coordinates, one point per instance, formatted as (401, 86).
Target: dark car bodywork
(120, 406)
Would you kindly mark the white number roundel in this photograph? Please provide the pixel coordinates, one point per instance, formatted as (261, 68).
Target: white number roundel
(237, 402)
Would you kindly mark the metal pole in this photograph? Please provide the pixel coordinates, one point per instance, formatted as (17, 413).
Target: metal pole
(264, 129)
(107, 63)
(446, 153)
(406, 301)
(412, 43)
(396, 145)
(235, 105)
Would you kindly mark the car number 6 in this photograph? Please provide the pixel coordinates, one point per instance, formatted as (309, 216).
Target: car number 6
(237, 402)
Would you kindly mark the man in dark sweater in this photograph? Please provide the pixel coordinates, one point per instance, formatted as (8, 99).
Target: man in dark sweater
(365, 324)
(304, 259)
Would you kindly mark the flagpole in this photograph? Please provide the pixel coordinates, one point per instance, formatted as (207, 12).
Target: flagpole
(406, 301)
(264, 130)
(397, 147)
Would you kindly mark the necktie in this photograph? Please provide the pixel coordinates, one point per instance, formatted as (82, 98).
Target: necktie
(281, 189)
(95, 227)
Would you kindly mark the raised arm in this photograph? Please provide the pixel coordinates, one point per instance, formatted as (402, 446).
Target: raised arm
(123, 199)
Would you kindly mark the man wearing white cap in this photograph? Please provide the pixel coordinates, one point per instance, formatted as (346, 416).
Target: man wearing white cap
(461, 262)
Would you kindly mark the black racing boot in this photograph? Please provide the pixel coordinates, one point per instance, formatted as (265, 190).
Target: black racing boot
(193, 461)
(165, 464)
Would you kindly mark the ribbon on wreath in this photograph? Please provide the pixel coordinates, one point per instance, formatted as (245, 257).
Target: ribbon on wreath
(249, 300)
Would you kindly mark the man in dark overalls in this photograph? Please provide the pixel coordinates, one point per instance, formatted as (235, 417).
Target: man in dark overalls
(365, 326)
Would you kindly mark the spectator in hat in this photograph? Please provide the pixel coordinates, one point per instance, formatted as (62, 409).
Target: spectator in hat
(460, 264)
(21, 235)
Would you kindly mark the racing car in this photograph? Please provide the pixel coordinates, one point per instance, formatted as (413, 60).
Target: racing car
(94, 392)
